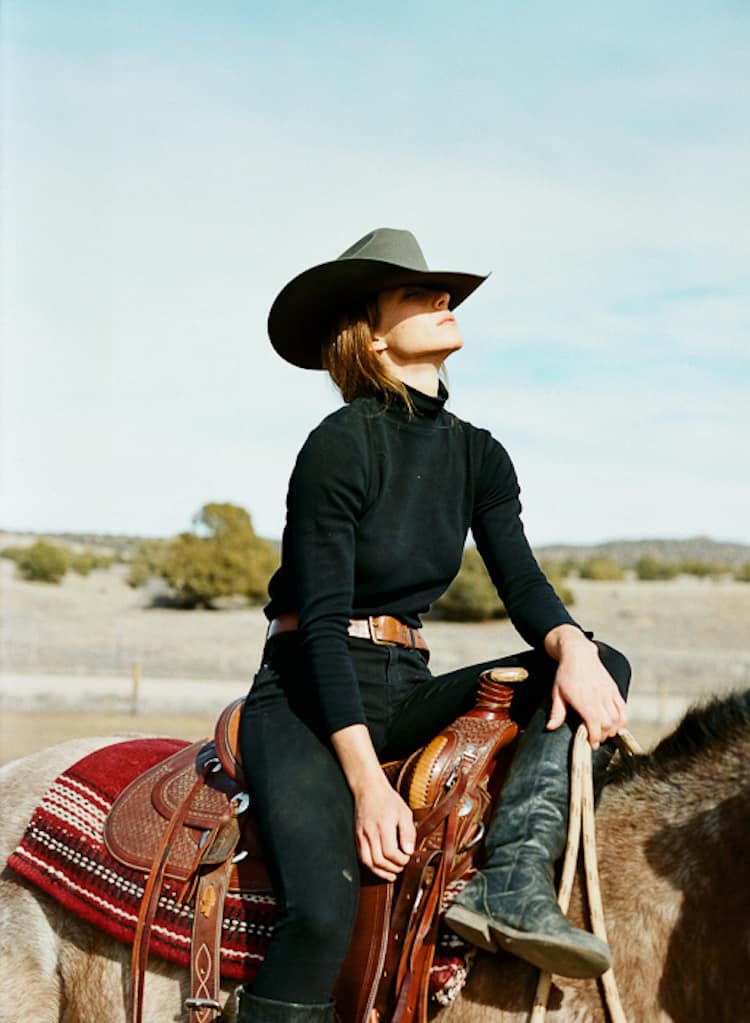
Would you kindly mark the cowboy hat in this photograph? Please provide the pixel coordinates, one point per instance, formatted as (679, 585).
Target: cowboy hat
(307, 307)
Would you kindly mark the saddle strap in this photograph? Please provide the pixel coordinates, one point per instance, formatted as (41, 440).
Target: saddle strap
(205, 944)
(415, 916)
(150, 901)
(413, 997)
(419, 948)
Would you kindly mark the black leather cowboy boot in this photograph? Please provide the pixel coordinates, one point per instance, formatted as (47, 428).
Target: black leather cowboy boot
(511, 903)
(252, 1009)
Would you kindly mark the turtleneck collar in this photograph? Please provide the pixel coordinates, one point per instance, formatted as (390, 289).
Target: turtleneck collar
(427, 405)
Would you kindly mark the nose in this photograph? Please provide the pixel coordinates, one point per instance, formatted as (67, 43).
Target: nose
(442, 299)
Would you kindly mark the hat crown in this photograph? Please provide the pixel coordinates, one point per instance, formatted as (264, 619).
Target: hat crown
(388, 245)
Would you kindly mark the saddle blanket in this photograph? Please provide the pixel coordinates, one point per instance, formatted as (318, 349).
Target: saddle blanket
(63, 854)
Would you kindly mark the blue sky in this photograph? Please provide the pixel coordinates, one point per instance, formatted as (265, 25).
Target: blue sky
(168, 166)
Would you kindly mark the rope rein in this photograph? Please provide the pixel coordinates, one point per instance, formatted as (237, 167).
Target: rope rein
(581, 820)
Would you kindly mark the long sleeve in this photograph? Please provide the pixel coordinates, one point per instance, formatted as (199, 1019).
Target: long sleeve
(530, 600)
(326, 497)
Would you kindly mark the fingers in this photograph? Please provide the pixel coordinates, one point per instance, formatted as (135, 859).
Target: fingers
(407, 834)
(382, 856)
(370, 852)
(622, 710)
(590, 690)
(558, 710)
(385, 841)
(607, 720)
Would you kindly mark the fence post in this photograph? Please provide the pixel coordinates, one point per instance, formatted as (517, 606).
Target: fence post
(136, 690)
(663, 693)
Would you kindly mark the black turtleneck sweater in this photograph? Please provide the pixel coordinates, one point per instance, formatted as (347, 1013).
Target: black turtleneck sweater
(379, 506)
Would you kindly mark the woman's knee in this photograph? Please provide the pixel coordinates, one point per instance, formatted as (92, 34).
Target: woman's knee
(325, 916)
(616, 664)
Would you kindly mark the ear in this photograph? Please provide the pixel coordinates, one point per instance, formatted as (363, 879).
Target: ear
(379, 344)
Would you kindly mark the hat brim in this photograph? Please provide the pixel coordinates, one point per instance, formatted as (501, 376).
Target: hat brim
(306, 308)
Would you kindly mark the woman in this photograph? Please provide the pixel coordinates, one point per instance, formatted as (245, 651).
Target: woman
(381, 499)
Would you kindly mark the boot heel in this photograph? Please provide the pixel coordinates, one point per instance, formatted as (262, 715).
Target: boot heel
(472, 927)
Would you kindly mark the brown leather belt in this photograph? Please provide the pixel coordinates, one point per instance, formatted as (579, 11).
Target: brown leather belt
(381, 629)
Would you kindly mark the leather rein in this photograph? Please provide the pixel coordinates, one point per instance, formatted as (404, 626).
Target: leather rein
(581, 822)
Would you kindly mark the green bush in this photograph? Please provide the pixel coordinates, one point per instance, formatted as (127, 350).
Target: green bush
(472, 596)
(560, 568)
(701, 569)
(82, 562)
(649, 568)
(742, 574)
(223, 558)
(564, 592)
(602, 569)
(13, 553)
(147, 560)
(43, 562)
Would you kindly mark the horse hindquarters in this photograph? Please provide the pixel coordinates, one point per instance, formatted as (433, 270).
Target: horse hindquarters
(55, 967)
(30, 985)
(59, 969)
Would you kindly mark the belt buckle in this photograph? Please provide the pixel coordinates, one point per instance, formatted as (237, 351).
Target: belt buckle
(373, 634)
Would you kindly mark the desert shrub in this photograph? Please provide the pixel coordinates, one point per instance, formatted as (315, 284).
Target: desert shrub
(146, 561)
(601, 569)
(82, 562)
(222, 558)
(742, 574)
(44, 562)
(560, 568)
(472, 596)
(564, 592)
(649, 568)
(13, 553)
(703, 568)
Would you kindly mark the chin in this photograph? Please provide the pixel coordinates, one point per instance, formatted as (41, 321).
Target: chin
(455, 346)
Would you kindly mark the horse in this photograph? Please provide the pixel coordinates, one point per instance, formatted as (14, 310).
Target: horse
(671, 827)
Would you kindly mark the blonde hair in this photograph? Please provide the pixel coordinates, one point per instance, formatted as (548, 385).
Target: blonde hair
(353, 365)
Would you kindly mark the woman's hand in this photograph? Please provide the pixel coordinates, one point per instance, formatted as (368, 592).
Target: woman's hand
(583, 683)
(383, 823)
(384, 830)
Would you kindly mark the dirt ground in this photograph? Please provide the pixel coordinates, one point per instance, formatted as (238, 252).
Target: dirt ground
(686, 638)
(26, 731)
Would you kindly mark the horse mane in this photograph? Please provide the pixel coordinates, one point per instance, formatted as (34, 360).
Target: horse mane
(718, 723)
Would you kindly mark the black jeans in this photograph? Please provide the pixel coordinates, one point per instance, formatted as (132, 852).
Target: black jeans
(304, 806)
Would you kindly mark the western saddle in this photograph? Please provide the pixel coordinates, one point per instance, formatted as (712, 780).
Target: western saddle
(190, 819)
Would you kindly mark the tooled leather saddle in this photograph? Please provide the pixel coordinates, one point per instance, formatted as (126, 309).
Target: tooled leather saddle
(190, 819)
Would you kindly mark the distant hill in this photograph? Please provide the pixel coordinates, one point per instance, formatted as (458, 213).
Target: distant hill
(108, 543)
(627, 552)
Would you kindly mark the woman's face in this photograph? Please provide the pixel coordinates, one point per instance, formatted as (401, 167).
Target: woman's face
(415, 325)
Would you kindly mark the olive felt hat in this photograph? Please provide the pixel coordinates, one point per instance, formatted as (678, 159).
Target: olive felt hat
(307, 307)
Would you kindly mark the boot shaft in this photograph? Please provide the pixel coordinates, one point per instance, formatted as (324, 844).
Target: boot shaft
(253, 1009)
